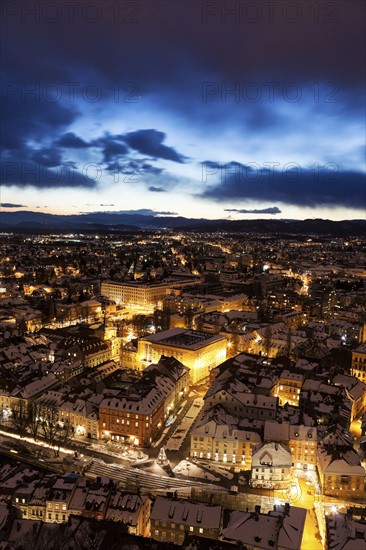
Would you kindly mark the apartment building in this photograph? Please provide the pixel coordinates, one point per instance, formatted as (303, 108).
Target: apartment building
(217, 437)
(301, 440)
(340, 472)
(137, 415)
(237, 400)
(271, 466)
(289, 387)
(171, 520)
(359, 363)
(132, 510)
(281, 528)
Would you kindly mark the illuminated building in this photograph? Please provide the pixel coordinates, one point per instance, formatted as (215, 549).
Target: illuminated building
(303, 444)
(198, 351)
(171, 520)
(289, 388)
(138, 415)
(141, 294)
(359, 362)
(271, 466)
(221, 443)
(301, 440)
(340, 472)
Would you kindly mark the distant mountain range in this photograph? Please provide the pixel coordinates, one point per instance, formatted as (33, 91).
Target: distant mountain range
(115, 221)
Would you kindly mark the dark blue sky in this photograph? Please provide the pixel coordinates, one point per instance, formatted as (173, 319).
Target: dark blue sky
(211, 109)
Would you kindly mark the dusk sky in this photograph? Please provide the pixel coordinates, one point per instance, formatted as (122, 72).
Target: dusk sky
(201, 109)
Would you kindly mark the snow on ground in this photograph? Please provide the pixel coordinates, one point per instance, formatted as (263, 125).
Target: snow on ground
(127, 454)
(156, 443)
(222, 470)
(188, 469)
(179, 435)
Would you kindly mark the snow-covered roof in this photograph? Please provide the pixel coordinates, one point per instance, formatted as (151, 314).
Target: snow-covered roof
(185, 512)
(277, 529)
(341, 461)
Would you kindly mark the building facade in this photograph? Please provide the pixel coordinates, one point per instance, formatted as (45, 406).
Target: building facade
(271, 466)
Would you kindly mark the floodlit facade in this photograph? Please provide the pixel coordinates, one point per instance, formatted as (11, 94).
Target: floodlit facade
(225, 444)
(199, 351)
(303, 444)
(141, 294)
(289, 387)
(271, 466)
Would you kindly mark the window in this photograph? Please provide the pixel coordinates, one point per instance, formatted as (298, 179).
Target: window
(201, 530)
(191, 528)
(156, 531)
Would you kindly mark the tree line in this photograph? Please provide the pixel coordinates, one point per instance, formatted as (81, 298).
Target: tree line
(41, 422)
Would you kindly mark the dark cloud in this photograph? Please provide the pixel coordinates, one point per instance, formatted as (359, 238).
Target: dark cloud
(297, 186)
(270, 210)
(47, 157)
(150, 142)
(27, 119)
(72, 141)
(112, 147)
(151, 169)
(29, 173)
(167, 69)
(154, 189)
(12, 205)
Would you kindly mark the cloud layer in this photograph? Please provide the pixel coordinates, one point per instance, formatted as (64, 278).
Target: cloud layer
(130, 93)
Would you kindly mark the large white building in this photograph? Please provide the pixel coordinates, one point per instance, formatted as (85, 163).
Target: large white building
(142, 294)
(271, 466)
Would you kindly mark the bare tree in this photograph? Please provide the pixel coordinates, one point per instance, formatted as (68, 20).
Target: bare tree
(189, 315)
(34, 419)
(267, 339)
(288, 349)
(19, 416)
(56, 432)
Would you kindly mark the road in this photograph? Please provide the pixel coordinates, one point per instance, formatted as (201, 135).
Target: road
(311, 538)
